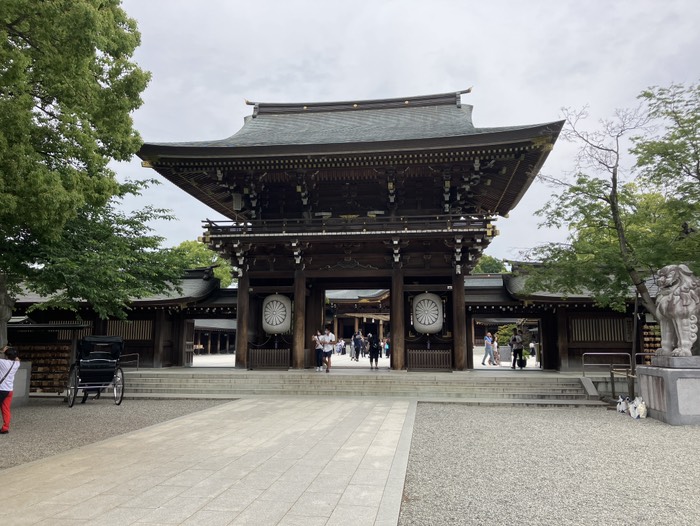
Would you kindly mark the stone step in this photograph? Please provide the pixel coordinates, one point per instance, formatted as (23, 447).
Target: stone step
(229, 384)
(331, 386)
(386, 380)
(353, 392)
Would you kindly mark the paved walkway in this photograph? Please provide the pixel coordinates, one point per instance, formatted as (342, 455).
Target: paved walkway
(254, 461)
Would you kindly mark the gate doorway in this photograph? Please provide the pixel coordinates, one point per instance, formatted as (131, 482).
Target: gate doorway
(502, 329)
(352, 311)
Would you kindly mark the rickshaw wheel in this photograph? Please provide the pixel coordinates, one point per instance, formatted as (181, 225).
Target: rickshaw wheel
(118, 386)
(72, 388)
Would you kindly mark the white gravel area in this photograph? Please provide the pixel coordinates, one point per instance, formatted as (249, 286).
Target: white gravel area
(47, 426)
(504, 465)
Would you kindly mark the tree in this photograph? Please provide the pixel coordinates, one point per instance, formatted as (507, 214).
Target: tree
(196, 254)
(106, 257)
(672, 159)
(622, 229)
(67, 90)
(489, 265)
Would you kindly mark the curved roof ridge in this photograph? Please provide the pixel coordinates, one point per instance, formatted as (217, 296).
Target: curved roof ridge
(452, 98)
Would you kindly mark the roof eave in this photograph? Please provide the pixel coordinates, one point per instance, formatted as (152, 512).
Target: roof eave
(154, 152)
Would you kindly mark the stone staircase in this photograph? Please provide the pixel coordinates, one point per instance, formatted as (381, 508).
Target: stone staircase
(464, 387)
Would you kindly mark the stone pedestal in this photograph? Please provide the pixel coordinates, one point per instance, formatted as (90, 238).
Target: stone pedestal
(20, 395)
(671, 389)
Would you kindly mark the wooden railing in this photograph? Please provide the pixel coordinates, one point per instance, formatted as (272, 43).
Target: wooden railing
(429, 359)
(346, 225)
(269, 358)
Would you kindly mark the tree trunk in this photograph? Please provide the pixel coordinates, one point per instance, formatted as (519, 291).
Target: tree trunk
(6, 305)
(626, 251)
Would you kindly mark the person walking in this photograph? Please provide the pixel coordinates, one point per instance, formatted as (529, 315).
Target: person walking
(373, 351)
(488, 350)
(496, 352)
(9, 364)
(516, 342)
(356, 346)
(328, 340)
(318, 346)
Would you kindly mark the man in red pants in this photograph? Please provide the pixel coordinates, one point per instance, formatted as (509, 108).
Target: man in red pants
(9, 364)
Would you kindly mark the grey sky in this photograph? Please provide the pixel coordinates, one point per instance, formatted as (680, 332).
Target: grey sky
(525, 60)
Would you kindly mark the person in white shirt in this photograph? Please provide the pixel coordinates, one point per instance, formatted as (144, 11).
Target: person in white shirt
(9, 364)
(328, 340)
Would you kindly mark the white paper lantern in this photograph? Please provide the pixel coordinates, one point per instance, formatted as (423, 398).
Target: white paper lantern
(427, 313)
(276, 314)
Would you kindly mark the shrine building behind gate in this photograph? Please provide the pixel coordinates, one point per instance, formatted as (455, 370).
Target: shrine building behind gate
(397, 194)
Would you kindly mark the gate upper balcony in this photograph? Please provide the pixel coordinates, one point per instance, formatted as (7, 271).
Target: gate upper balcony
(370, 226)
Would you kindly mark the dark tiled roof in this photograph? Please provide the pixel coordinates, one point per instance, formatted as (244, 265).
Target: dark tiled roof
(403, 119)
(195, 285)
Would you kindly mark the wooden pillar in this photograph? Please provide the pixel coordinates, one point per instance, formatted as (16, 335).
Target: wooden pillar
(314, 319)
(158, 337)
(299, 339)
(357, 325)
(242, 321)
(548, 342)
(459, 323)
(470, 341)
(563, 339)
(398, 348)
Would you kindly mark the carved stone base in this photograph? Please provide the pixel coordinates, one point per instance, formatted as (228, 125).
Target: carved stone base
(672, 394)
(676, 362)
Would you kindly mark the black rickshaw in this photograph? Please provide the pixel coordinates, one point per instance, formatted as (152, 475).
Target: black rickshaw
(96, 368)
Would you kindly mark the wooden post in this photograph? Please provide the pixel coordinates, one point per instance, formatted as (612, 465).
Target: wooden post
(242, 321)
(314, 318)
(299, 339)
(470, 341)
(158, 337)
(563, 338)
(459, 323)
(398, 349)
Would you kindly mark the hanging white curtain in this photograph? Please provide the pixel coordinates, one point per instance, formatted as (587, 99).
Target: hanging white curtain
(427, 313)
(277, 314)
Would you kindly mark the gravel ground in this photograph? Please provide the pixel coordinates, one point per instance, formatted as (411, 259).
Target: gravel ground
(46, 426)
(502, 465)
(467, 464)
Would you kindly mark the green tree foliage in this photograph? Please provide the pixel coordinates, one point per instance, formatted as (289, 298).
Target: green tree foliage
(623, 229)
(669, 156)
(107, 257)
(489, 265)
(197, 255)
(67, 90)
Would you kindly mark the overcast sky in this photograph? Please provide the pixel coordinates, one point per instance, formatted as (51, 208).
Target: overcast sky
(525, 61)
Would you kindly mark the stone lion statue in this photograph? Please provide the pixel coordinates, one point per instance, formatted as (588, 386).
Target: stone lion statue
(677, 307)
